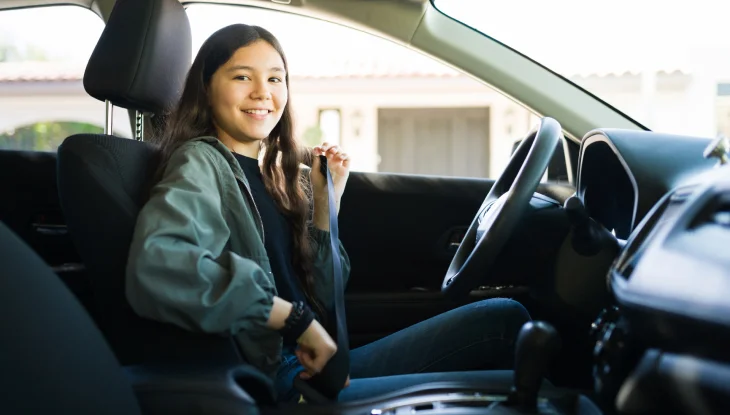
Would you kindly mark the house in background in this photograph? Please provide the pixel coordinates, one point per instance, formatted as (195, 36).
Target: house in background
(392, 118)
(394, 109)
(418, 118)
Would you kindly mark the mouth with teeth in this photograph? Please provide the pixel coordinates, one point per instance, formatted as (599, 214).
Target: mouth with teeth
(257, 114)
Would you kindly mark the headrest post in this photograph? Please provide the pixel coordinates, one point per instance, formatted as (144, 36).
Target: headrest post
(139, 126)
(109, 117)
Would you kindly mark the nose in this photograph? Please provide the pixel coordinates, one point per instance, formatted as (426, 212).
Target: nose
(261, 91)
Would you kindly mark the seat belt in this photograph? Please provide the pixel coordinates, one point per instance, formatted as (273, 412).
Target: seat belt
(326, 385)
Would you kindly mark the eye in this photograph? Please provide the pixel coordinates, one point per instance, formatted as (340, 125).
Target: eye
(242, 78)
(275, 80)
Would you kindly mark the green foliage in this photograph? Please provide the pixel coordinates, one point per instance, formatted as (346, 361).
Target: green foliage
(10, 52)
(44, 136)
(35, 53)
(312, 136)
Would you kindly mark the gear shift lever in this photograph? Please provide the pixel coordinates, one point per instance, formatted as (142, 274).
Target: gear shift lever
(537, 345)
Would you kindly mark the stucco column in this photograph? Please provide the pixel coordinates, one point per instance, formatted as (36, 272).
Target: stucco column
(647, 95)
(701, 94)
(364, 146)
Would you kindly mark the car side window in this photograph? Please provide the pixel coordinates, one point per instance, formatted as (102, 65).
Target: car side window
(43, 54)
(393, 108)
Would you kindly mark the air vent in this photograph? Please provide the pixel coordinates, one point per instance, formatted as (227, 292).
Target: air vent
(721, 215)
(715, 213)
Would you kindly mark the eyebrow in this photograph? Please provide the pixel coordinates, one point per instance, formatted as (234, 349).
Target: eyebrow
(249, 68)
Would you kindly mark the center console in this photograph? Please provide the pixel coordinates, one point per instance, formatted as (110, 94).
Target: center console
(241, 390)
(522, 391)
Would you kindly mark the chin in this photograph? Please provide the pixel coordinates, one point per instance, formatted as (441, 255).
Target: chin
(260, 137)
(256, 135)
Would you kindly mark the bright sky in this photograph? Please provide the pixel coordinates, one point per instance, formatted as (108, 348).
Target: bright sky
(63, 32)
(569, 36)
(573, 36)
(310, 44)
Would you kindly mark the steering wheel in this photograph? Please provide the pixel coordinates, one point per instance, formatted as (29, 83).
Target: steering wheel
(501, 211)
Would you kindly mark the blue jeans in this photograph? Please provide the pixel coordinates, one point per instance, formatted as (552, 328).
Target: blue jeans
(475, 338)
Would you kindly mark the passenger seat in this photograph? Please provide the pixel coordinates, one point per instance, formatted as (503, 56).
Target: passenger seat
(140, 63)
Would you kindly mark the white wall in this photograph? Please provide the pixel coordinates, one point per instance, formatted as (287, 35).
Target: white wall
(680, 104)
(19, 108)
(367, 95)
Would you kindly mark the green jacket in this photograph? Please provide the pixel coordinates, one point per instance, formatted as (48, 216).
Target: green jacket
(197, 258)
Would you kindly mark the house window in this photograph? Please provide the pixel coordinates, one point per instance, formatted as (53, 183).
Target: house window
(723, 89)
(330, 122)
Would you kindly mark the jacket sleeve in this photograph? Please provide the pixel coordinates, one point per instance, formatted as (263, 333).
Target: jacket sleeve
(323, 270)
(179, 270)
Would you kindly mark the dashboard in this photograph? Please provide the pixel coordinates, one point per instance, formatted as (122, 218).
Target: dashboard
(672, 207)
(622, 174)
(669, 326)
(677, 263)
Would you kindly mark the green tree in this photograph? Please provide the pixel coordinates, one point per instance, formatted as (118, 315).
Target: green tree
(312, 136)
(9, 53)
(35, 53)
(44, 136)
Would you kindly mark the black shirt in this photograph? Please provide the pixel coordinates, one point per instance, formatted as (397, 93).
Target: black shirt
(277, 233)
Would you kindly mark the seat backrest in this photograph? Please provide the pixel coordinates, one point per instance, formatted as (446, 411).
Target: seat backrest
(101, 181)
(53, 359)
(140, 63)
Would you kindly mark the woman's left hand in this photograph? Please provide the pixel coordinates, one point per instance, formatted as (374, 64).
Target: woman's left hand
(339, 166)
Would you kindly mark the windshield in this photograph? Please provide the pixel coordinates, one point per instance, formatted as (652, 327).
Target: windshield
(665, 64)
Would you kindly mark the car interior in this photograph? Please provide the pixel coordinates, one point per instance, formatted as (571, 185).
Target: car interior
(622, 269)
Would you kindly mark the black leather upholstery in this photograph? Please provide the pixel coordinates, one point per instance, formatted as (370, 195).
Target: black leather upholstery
(140, 63)
(142, 57)
(103, 181)
(53, 359)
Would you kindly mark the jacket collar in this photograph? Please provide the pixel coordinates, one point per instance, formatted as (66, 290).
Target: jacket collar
(227, 154)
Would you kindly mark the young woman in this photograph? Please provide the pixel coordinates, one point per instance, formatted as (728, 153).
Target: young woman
(228, 244)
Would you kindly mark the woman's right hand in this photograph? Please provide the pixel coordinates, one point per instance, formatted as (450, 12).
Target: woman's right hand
(316, 348)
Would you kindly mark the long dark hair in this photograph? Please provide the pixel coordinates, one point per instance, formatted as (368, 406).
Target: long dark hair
(193, 118)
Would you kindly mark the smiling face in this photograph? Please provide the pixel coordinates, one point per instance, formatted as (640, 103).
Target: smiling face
(247, 97)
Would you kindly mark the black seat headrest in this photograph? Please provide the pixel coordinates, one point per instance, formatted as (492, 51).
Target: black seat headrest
(142, 57)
